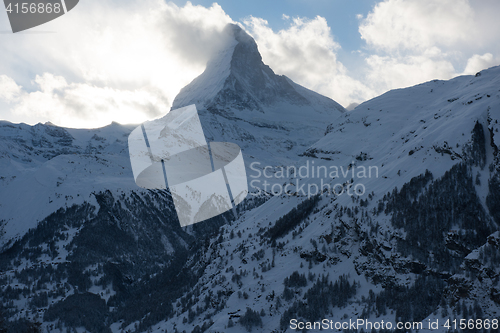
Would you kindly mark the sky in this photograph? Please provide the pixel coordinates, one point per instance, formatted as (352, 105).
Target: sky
(126, 60)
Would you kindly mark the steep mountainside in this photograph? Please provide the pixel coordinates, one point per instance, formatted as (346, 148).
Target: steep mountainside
(420, 243)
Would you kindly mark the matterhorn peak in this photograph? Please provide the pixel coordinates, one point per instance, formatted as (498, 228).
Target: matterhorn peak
(237, 78)
(238, 96)
(240, 35)
(246, 53)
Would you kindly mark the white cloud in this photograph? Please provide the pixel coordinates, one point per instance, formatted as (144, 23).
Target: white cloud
(9, 90)
(478, 62)
(306, 53)
(412, 41)
(396, 25)
(129, 55)
(386, 71)
(63, 102)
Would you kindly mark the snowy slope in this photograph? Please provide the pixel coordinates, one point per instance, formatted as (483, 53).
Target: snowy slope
(406, 131)
(44, 168)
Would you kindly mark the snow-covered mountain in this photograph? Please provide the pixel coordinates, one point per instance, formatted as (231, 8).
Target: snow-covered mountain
(241, 100)
(413, 236)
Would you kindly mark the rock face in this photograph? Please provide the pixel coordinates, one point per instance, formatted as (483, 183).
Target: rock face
(241, 100)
